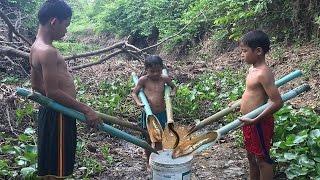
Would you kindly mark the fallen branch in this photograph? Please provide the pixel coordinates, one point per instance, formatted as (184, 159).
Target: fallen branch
(9, 120)
(117, 45)
(12, 51)
(11, 27)
(16, 64)
(97, 62)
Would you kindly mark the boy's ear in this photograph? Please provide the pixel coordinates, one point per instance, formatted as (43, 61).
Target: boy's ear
(259, 51)
(53, 21)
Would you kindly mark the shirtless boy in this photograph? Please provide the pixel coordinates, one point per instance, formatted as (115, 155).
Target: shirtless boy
(260, 86)
(50, 77)
(153, 84)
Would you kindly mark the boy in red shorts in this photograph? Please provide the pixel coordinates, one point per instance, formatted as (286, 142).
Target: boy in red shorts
(260, 87)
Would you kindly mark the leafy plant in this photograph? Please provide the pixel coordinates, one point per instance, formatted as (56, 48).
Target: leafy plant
(296, 144)
(106, 154)
(24, 152)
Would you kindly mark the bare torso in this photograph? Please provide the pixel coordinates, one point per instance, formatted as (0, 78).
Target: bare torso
(154, 91)
(65, 79)
(254, 94)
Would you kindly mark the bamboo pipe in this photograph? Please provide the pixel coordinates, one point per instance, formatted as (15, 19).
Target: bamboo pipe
(45, 101)
(152, 123)
(169, 126)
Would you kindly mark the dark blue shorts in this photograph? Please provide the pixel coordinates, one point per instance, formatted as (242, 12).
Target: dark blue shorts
(57, 140)
(162, 117)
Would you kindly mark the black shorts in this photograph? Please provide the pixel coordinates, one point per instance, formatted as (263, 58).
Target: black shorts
(57, 140)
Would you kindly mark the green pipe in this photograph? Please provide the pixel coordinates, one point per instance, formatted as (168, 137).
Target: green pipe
(236, 104)
(145, 102)
(45, 101)
(237, 123)
(142, 96)
(155, 131)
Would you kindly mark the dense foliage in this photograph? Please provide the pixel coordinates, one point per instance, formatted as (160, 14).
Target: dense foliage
(223, 19)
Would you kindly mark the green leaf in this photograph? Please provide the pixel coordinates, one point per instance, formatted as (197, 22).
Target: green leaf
(29, 131)
(294, 171)
(314, 134)
(290, 156)
(301, 137)
(24, 138)
(27, 171)
(305, 161)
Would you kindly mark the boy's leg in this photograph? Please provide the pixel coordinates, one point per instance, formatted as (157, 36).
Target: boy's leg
(158, 146)
(254, 172)
(56, 144)
(266, 169)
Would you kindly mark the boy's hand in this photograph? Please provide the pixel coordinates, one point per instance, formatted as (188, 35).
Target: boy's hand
(231, 103)
(140, 104)
(247, 121)
(92, 118)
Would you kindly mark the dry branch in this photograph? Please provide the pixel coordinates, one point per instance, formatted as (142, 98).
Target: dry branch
(92, 53)
(97, 62)
(11, 27)
(12, 51)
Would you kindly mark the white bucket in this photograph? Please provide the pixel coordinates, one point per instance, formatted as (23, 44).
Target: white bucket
(164, 167)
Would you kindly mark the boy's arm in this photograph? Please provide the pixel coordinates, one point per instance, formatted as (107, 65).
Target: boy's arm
(136, 90)
(169, 82)
(267, 81)
(49, 64)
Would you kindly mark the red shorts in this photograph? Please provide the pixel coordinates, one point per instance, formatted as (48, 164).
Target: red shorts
(258, 135)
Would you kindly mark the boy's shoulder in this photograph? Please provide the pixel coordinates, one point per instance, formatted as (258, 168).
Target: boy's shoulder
(264, 74)
(165, 78)
(41, 52)
(143, 79)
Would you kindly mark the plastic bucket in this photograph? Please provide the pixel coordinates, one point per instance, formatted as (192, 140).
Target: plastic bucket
(164, 167)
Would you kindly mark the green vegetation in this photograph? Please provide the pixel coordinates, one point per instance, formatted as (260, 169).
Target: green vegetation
(223, 19)
(23, 151)
(296, 144)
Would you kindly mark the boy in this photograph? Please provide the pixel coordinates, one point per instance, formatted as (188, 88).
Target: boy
(50, 77)
(260, 87)
(153, 84)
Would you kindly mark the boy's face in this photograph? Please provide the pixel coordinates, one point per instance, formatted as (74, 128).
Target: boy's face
(59, 27)
(248, 54)
(154, 73)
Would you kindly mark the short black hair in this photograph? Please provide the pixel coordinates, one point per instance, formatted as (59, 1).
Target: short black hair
(54, 9)
(256, 38)
(153, 61)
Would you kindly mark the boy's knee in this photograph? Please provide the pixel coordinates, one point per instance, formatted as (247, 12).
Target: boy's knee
(251, 157)
(262, 162)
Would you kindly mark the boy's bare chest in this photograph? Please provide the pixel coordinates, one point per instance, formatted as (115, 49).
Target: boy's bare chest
(154, 87)
(252, 82)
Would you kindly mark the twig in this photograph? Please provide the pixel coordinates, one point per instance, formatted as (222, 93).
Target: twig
(117, 45)
(11, 27)
(9, 120)
(97, 62)
(16, 64)
(9, 50)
